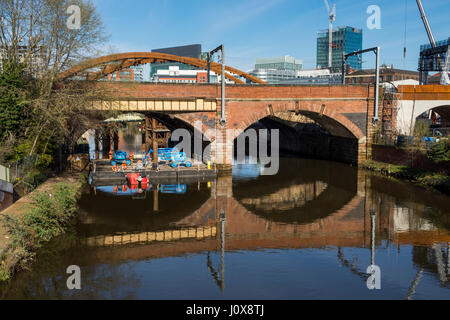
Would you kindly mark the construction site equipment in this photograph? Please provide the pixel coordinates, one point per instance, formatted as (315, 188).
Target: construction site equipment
(435, 58)
(332, 17)
(121, 157)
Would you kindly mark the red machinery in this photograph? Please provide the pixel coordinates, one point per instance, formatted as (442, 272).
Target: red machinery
(136, 181)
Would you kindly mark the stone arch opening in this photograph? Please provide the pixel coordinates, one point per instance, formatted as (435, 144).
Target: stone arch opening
(438, 118)
(311, 133)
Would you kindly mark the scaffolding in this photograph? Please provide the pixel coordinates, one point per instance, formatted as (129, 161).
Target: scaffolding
(390, 106)
(433, 59)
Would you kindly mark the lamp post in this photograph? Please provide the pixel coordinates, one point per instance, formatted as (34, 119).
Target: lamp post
(376, 50)
(223, 119)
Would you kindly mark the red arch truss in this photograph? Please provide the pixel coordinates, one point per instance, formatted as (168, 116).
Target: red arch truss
(115, 62)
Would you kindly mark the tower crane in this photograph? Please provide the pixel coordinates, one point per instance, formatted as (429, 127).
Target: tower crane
(442, 65)
(332, 17)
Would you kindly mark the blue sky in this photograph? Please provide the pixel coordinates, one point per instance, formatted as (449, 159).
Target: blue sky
(267, 28)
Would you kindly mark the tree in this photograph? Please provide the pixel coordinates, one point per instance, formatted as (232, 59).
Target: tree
(13, 113)
(36, 40)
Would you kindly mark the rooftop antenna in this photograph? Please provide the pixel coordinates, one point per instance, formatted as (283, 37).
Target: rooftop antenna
(332, 17)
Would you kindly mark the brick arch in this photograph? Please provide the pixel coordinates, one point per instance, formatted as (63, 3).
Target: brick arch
(326, 117)
(206, 119)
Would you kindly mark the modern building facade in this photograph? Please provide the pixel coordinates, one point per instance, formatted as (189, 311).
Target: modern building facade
(279, 63)
(191, 51)
(273, 76)
(387, 74)
(176, 75)
(132, 74)
(276, 69)
(345, 40)
(315, 76)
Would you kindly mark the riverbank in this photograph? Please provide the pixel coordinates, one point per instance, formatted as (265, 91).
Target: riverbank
(429, 179)
(35, 219)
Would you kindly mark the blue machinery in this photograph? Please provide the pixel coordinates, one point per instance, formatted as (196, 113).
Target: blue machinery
(172, 156)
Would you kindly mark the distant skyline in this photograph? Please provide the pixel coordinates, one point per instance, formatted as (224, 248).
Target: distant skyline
(253, 29)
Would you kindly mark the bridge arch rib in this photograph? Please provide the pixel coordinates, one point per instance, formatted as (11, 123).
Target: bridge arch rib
(115, 62)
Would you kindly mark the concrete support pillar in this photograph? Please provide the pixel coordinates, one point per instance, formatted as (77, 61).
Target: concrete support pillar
(365, 143)
(222, 147)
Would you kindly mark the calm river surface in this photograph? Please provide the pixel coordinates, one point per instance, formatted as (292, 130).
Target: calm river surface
(310, 232)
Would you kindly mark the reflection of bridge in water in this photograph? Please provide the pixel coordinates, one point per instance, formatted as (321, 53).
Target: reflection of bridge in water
(309, 210)
(284, 214)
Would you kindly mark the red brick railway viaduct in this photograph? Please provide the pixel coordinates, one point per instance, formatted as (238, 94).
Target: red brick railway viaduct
(344, 111)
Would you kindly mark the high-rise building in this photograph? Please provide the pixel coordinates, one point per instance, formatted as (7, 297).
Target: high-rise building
(279, 63)
(191, 51)
(345, 40)
(277, 69)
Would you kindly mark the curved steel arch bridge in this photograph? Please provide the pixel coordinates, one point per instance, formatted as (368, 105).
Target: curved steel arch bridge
(115, 62)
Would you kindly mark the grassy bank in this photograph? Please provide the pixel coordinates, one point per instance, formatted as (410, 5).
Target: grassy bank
(436, 180)
(50, 213)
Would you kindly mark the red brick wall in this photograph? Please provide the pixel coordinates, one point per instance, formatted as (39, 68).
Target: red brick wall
(213, 91)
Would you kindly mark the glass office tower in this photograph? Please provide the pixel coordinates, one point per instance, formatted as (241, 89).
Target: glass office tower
(345, 40)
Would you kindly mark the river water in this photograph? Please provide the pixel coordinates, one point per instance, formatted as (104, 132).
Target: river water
(310, 232)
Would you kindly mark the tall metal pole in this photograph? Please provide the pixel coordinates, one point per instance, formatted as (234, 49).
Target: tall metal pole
(377, 84)
(222, 264)
(377, 75)
(372, 237)
(209, 67)
(223, 119)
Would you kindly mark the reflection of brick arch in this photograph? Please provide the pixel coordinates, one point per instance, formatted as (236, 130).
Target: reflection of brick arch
(326, 117)
(240, 218)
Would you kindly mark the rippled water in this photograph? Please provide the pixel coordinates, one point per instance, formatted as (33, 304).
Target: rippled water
(308, 233)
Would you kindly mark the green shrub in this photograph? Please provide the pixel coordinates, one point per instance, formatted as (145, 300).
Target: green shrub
(4, 274)
(50, 215)
(440, 151)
